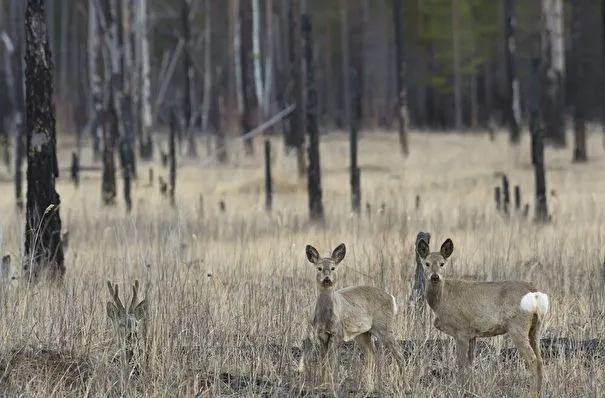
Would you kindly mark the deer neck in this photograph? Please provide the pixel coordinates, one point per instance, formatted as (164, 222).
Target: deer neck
(434, 293)
(324, 309)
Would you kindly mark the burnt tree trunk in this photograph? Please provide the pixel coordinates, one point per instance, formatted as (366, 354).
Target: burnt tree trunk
(316, 210)
(187, 78)
(400, 72)
(216, 43)
(578, 43)
(537, 144)
(110, 136)
(172, 153)
(354, 103)
(246, 53)
(297, 118)
(43, 249)
(513, 112)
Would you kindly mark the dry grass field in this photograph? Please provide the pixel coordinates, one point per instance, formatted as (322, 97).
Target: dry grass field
(238, 332)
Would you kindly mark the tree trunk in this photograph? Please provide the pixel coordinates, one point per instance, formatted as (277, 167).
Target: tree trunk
(43, 249)
(297, 118)
(579, 40)
(215, 76)
(513, 109)
(122, 103)
(247, 73)
(400, 71)
(256, 54)
(457, 70)
(187, 78)
(537, 144)
(346, 59)
(172, 153)
(95, 65)
(316, 210)
(17, 13)
(553, 51)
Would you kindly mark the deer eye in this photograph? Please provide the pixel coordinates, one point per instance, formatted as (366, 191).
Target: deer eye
(428, 264)
(333, 268)
(319, 268)
(442, 264)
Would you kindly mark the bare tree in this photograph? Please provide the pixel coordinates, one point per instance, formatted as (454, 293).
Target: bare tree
(513, 107)
(579, 41)
(43, 249)
(247, 74)
(17, 13)
(400, 70)
(188, 76)
(297, 118)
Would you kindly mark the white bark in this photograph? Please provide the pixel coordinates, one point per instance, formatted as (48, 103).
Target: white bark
(553, 14)
(94, 62)
(258, 79)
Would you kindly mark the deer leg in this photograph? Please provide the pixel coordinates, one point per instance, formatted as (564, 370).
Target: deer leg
(365, 341)
(471, 350)
(522, 342)
(534, 342)
(307, 346)
(462, 347)
(326, 353)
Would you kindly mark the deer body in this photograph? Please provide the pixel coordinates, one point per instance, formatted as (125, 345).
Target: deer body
(466, 310)
(352, 313)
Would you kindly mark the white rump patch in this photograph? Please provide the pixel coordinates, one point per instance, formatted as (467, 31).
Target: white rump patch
(535, 302)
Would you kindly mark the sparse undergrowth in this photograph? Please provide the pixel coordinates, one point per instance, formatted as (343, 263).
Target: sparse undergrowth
(238, 331)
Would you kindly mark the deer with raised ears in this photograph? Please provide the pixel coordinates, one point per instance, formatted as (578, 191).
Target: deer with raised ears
(352, 313)
(131, 322)
(466, 310)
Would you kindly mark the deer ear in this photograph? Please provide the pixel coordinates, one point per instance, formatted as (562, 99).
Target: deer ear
(422, 248)
(112, 311)
(447, 248)
(140, 311)
(339, 253)
(312, 254)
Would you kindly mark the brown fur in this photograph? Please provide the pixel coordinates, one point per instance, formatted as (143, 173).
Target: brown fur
(352, 313)
(466, 310)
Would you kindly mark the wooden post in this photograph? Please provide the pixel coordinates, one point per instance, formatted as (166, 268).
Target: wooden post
(497, 199)
(517, 198)
(537, 143)
(418, 287)
(268, 179)
(354, 106)
(316, 211)
(151, 176)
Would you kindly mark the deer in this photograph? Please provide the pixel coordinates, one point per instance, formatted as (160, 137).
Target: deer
(466, 310)
(130, 323)
(352, 313)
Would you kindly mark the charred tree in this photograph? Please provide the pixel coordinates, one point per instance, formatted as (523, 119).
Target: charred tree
(43, 249)
(400, 71)
(187, 78)
(579, 40)
(172, 150)
(316, 210)
(537, 143)
(110, 136)
(217, 38)
(95, 68)
(268, 177)
(354, 103)
(297, 117)
(513, 107)
(553, 55)
(247, 73)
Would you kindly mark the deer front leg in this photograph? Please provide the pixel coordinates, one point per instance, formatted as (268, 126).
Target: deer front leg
(327, 343)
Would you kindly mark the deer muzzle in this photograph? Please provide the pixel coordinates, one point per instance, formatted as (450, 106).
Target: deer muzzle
(435, 278)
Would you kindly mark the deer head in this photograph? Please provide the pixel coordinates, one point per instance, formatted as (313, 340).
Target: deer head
(129, 321)
(326, 266)
(435, 261)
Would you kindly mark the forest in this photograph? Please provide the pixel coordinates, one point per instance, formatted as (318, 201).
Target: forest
(165, 164)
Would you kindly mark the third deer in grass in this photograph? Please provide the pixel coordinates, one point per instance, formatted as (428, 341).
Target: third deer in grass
(466, 310)
(352, 313)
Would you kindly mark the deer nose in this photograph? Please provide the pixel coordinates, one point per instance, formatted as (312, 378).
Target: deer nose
(326, 280)
(435, 277)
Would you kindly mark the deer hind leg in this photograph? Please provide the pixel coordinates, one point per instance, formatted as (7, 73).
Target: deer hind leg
(521, 340)
(534, 342)
(365, 341)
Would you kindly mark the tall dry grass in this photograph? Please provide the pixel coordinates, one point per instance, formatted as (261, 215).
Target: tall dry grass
(233, 334)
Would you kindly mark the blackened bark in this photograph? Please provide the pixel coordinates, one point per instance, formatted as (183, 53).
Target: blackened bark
(400, 71)
(512, 84)
(187, 78)
(218, 37)
(110, 136)
(172, 150)
(43, 249)
(355, 102)
(246, 53)
(297, 118)
(268, 178)
(537, 144)
(316, 211)
(578, 43)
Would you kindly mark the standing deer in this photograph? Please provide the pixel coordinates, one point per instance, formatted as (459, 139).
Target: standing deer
(130, 322)
(352, 313)
(466, 310)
